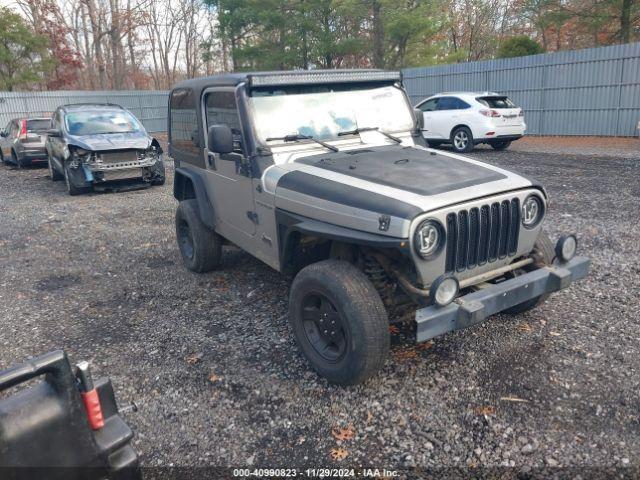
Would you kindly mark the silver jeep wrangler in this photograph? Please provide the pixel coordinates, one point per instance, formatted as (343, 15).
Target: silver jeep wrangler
(325, 175)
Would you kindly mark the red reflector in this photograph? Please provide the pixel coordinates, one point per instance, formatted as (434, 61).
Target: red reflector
(93, 408)
(490, 133)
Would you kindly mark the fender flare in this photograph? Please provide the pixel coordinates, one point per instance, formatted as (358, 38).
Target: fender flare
(290, 225)
(189, 184)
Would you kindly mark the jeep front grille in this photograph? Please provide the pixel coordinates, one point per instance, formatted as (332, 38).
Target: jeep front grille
(482, 234)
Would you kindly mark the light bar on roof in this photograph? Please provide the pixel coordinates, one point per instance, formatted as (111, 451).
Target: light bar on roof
(319, 77)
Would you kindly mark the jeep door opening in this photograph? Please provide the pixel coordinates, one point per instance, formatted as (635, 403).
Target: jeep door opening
(325, 175)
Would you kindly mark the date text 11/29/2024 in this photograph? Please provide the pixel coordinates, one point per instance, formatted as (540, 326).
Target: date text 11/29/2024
(315, 473)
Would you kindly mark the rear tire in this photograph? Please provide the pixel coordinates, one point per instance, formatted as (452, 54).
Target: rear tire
(545, 251)
(200, 247)
(462, 140)
(500, 145)
(335, 294)
(16, 160)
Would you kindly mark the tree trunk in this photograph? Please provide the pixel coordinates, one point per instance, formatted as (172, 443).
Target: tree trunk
(96, 30)
(378, 35)
(625, 21)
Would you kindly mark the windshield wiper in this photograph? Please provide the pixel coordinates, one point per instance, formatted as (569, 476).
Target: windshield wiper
(297, 137)
(370, 129)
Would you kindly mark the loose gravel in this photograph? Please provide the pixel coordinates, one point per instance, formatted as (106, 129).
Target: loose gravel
(210, 360)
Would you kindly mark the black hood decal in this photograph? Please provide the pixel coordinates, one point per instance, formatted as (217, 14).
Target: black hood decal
(338, 192)
(406, 168)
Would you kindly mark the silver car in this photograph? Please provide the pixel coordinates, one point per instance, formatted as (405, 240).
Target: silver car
(22, 142)
(325, 175)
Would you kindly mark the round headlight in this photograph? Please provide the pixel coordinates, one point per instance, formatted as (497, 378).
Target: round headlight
(443, 290)
(566, 247)
(428, 238)
(532, 211)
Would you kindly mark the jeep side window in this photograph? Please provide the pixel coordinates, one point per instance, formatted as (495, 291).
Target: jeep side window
(429, 105)
(221, 108)
(184, 123)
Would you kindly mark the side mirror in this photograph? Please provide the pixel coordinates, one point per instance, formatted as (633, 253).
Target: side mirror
(220, 139)
(419, 114)
(54, 132)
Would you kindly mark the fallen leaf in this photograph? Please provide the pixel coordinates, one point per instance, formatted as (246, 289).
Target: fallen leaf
(555, 334)
(486, 410)
(513, 399)
(193, 358)
(393, 329)
(405, 354)
(339, 453)
(425, 345)
(369, 416)
(525, 327)
(213, 378)
(343, 433)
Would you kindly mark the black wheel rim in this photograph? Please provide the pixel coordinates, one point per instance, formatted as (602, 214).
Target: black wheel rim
(185, 240)
(324, 327)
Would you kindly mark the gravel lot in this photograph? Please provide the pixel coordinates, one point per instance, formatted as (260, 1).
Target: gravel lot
(212, 365)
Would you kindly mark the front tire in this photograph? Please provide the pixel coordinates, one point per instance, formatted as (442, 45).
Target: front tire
(339, 321)
(462, 140)
(500, 145)
(545, 252)
(200, 247)
(72, 189)
(53, 173)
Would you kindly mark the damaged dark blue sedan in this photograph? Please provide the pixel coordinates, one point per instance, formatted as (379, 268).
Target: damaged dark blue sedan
(102, 147)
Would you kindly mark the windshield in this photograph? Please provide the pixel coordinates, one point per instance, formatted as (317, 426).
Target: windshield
(323, 112)
(101, 121)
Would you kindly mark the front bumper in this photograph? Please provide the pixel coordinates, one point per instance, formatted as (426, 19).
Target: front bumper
(475, 307)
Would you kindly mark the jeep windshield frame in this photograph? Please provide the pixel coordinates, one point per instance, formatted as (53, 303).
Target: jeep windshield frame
(324, 111)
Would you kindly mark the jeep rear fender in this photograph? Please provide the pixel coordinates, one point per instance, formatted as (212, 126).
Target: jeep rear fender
(188, 184)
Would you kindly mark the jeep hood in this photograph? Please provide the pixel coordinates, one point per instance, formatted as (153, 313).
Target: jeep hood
(112, 141)
(410, 169)
(355, 187)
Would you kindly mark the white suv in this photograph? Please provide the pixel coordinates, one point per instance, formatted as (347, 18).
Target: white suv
(464, 119)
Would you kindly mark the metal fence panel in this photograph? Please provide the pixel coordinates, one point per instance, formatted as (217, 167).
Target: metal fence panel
(149, 106)
(582, 92)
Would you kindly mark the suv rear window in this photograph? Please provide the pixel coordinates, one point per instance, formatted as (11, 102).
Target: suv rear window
(38, 125)
(496, 102)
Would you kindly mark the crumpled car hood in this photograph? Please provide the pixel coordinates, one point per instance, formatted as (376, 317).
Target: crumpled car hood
(112, 141)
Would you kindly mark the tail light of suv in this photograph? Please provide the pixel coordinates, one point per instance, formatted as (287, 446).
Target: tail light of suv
(23, 129)
(489, 113)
